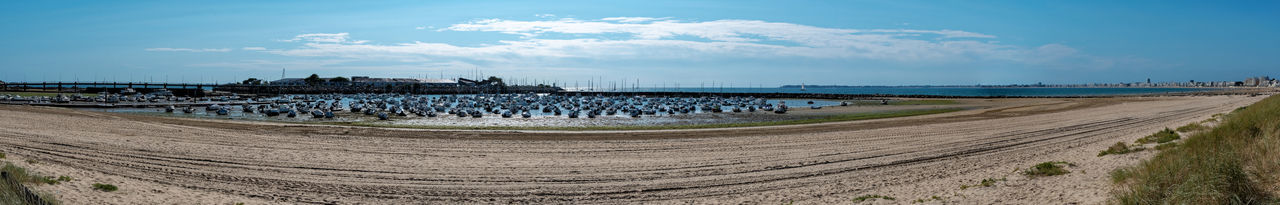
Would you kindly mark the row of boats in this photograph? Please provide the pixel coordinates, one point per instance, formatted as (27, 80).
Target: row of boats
(386, 106)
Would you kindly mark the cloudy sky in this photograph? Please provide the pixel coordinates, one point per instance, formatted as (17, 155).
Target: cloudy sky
(741, 43)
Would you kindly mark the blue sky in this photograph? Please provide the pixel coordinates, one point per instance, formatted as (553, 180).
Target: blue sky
(742, 43)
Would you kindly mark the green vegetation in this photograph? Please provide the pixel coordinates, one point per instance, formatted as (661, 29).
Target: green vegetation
(64, 178)
(49, 180)
(1, 155)
(10, 194)
(1166, 135)
(1165, 146)
(822, 119)
(1192, 127)
(104, 187)
(988, 182)
(1236, 162)
(314, 79)
(1048, 169)
(872, 196)
(1120, 148)
(1119, 175)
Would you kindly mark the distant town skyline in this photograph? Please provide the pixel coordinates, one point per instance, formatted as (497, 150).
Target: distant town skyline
(746, 44)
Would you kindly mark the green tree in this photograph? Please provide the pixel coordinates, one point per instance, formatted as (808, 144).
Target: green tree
(339, 79)
(314, 79)
(251, 81)
(493, 80)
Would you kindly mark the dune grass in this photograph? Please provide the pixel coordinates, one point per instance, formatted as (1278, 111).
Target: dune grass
(821, 119)
(10, 194)
(988, 182)
(1163, 136)
(872, 196)
(1045, 169)
(1191, 127)
(104, 187)
(1237, 162)
(1119, 148)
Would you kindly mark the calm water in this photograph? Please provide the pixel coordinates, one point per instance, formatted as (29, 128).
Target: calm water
(947, 91)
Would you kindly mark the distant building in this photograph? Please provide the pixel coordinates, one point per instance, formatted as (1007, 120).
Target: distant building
(1259, 81)
(366, 80)
(289, 81)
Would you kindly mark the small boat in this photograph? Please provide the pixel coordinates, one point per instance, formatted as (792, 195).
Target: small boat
(506, 114)
(815, 107)
(290, 113)
(328, 114)
(525, 114)
(844, 103)
(383, 116)
(169, 109)
(317, 114)
(188, 110)
(223, 111)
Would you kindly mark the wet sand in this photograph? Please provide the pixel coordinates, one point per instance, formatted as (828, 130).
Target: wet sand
(163, 160)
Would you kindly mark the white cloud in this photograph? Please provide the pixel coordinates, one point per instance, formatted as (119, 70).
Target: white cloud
(667, 39)
(325, 38)
(545, 15)
(194, 50)
(253, 48)
(633, 19)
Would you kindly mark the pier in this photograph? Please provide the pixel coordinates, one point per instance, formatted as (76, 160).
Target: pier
(181, 89)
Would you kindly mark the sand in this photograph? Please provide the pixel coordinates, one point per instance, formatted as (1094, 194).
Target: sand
(160, 160)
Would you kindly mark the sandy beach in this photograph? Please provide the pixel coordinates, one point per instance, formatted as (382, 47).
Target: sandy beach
(163, 160)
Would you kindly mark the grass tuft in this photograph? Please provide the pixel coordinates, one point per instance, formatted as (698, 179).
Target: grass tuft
(1120, 148)
(104, 187)
(1166, 135)
(1048, 169)
(872, 196)
(988, 182)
